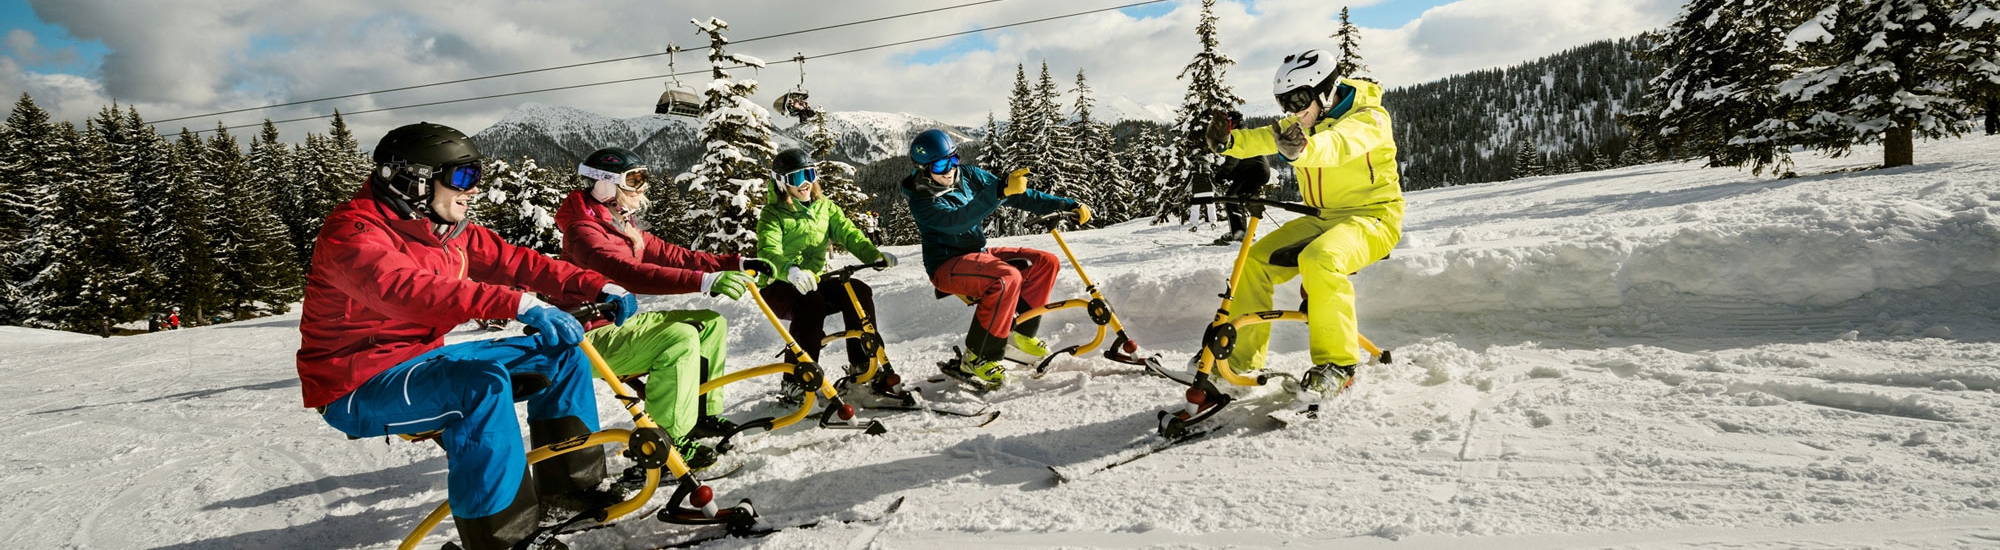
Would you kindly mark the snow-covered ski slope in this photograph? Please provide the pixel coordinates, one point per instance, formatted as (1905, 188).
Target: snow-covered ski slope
(1653, 357)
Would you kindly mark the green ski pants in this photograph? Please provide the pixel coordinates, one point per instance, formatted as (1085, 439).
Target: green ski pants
(677, 351)
(1334, 248)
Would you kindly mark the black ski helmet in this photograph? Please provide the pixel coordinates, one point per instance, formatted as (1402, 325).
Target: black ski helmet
(790, 160)
(408, 158)
(616, 160)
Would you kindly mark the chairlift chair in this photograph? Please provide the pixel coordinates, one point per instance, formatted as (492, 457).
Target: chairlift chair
(678, 100)
(793, 103)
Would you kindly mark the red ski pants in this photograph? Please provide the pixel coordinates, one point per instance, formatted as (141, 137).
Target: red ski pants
(998, 286)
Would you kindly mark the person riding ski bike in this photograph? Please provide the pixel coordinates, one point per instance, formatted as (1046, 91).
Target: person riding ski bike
(393, 270)
(950, 202)
(1338, 138)
(677, 350)
(793, 234)
(1244, 177)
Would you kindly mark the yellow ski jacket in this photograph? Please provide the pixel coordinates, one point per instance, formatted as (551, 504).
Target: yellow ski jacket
(1348, 167)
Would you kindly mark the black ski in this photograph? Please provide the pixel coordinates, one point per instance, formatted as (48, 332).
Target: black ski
(1072, 473)
(761, 531)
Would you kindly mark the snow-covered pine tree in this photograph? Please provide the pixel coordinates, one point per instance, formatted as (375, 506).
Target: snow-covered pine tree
(1878, 71)
(187, 270)
(837, 180)
(151, 177)
(1570, 165)
(1716, 94)
(348, 166)
(1528, 161)
(1350, 65)
(1025, 146)
(1062, 172)
(519, 202)
(728, 181)
(270, 173)
(1974, 53)
(27, 176)
(96, 274)
(50, 248)
(309, 168)
(255, 264)
(1207, 92)
(1093, 173)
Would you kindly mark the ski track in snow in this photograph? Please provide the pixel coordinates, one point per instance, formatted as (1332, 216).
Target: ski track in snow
(1655, 357)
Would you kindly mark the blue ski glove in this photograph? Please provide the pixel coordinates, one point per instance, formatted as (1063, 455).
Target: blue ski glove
(558, 328)
(622, 303)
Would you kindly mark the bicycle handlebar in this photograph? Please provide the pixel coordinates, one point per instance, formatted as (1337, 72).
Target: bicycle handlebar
(1251, 201)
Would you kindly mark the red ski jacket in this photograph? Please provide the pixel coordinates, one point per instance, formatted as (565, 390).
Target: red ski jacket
(591, 240)
(384, 289)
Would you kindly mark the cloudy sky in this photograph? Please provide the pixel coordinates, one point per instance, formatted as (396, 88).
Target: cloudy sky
(174, 58)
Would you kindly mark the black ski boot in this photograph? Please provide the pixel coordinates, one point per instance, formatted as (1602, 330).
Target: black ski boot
(567, 483)
(502, 531)
(710, 427)
(1232, 237)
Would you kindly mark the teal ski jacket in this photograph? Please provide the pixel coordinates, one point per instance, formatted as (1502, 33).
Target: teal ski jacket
(953, 223)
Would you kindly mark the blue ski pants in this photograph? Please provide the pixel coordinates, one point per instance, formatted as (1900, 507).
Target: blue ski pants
(465, 390)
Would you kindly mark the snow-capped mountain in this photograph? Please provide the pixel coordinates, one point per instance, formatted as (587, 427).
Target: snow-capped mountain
(555, 135)
(1116, 108)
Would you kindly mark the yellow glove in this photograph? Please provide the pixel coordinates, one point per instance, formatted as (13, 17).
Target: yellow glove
(1017, 183)
(1082, 213)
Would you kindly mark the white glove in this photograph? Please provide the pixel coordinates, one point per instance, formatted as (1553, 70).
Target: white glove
(529, 301)
(888, 260)
(803, 280)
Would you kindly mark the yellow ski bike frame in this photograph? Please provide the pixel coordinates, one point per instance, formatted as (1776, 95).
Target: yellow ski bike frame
(1204, 399)
(646, 444)
(1123, 348)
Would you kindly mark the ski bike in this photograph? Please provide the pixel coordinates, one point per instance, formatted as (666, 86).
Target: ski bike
(838, 415)
(1123, 348)
(877, 375)
(1204, 398)
(693, 503)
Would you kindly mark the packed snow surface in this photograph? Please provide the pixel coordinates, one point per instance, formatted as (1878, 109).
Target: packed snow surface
(1661, 356)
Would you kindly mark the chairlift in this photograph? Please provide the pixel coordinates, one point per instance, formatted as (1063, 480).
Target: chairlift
(793, 103)
(678, 100)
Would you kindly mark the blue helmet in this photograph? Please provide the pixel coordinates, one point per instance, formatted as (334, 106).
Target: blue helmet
(931, 146)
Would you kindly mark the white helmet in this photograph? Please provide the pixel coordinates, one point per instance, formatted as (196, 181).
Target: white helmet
(1304, 77)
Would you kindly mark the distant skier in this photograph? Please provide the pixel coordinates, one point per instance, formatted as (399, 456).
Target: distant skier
(1338, 138)
(676, 350)
(1246, 177)
(793, 235)
(950, 203)
(174, 319)
(393, 270)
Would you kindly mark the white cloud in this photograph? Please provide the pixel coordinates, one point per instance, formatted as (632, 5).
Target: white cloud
(189, 57)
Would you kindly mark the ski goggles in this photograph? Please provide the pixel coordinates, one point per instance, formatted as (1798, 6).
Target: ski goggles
(633, 180)
(463, 177)
(1297, 100)
(944, 165)
(800, 177)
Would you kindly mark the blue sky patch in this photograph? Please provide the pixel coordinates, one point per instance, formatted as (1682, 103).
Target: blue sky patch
(1391, 14)
(958, 46)
(88, 55)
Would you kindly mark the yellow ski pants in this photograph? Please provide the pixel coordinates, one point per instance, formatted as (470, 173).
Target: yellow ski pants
(1334, 248)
